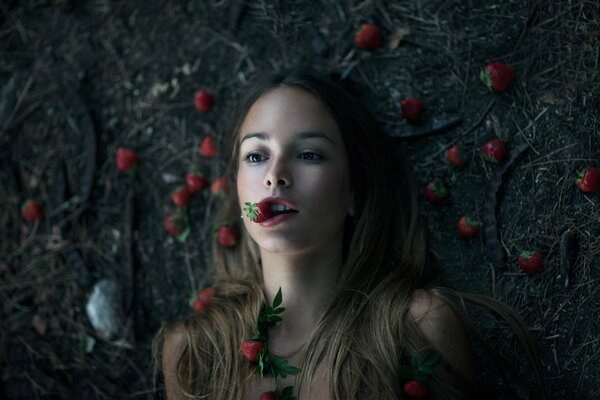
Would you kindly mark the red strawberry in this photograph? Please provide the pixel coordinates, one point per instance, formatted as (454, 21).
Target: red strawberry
(456, 156)
(32, 211)
(494, 151)
(589, 180)
(227, 236)
(467, 227)
(220, 186)
(268, 396)
(127, 159)
(411, 109)
(175, 224)
(415, 390)
(203, 299)
(368, 37)
(435, 191)
(203, 100)
(258, 212)
(181, 197)
(497, 76)
(208, 147)
(195, 182)
(251, 348)
(530, 262)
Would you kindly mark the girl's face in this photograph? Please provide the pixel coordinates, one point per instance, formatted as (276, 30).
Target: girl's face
(292, 149)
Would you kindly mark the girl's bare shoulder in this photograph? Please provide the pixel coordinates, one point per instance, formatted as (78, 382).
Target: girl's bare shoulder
(444, 330)
(175, 337)
(174, 341)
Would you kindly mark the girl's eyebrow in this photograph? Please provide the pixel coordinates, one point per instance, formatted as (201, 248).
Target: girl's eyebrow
(299, 136)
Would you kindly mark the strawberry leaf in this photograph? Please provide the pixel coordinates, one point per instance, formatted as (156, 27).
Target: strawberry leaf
(416, 361)
(183, 237)
(405, 374)
(260, 337)
(424, 369)
(277, 299)
(251, 210)
(280, 367)
(263, 362)
(421, 377)
(286, 394)
(486, 78)
(432, 359)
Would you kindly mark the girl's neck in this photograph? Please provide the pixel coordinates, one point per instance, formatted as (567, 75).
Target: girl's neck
(307, 282)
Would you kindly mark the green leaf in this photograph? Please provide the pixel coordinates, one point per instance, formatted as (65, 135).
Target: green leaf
(432, 359)
(277, 299)
(425, 369)
(287, 391)
(405, 374)
(421, 377)
(286, 394)
(282, 368)
(184, 235)
(278, 310)
(263, 362)
(416, 361)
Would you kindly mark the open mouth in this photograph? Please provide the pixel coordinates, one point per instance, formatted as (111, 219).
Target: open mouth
(281, 209)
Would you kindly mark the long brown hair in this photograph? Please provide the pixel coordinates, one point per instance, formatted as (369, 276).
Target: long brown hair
(365, 334)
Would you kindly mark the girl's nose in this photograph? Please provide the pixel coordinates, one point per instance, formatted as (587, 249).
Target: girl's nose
(277, 175)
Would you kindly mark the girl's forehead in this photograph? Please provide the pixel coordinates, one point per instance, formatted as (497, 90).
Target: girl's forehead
(286, 109)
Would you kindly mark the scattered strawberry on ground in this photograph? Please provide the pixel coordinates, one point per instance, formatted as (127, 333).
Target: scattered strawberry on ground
(368, 37)
(411, 109)
(494, 151)
(127, 159)
(436, 191)
(530, 262)
(456, 156)
(203, 100)
(181, 197)
(32, 211)
(497, 76)
(195, 182)
(227, 236)
(202, 300)
(467, 227)
(220, 185)
(589, 180)
(208, 146)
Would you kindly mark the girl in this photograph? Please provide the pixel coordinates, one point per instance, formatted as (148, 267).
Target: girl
(345, 249)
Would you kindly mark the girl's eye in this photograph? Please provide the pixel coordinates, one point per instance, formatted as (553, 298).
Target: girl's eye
(310, 156)
(252, 158)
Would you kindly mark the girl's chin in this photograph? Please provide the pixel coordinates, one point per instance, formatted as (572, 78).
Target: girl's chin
(282, 245)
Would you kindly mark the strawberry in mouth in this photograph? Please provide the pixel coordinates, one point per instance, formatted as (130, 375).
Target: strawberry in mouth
(262, 211)
(258, 212)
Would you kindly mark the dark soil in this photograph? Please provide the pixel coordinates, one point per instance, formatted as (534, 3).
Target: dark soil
(80, 78)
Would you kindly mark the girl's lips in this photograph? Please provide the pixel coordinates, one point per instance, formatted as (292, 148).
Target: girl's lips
(277, 219)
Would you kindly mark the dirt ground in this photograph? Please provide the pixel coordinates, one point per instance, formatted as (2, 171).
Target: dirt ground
(80, 78)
